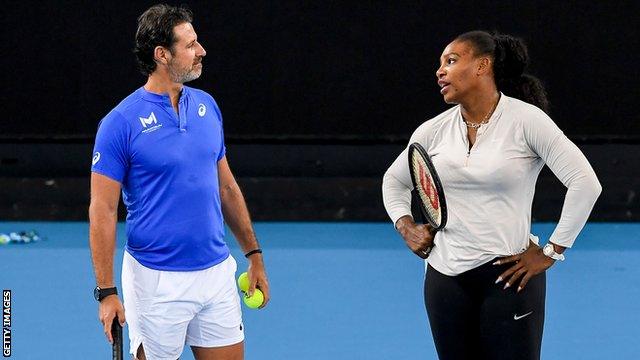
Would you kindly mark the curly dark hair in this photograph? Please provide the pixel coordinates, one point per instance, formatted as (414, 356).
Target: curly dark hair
(511, 58)
(155, 28)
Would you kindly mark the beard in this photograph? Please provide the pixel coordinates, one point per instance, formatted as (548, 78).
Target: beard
(183, 75)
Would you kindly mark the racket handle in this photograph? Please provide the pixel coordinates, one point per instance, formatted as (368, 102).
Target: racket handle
(116, 333)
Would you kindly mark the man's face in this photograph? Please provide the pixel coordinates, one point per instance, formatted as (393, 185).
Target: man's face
(186, 55)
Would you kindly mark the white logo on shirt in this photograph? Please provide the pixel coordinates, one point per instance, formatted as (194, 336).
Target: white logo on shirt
(148, 121)
(201, 110)
(96, 158)
(151, 120)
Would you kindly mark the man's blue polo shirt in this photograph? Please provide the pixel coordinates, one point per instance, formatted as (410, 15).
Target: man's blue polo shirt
(167, 164)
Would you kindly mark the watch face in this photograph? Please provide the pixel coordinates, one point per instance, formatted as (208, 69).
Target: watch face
(96, 293)
(548, 250)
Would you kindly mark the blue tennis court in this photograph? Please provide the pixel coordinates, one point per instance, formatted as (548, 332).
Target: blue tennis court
(339, 291)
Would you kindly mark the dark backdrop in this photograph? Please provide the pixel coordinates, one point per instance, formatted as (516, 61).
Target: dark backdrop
(318, 97)
(316, 68)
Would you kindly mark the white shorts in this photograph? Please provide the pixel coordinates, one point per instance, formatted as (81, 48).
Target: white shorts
(167, 309)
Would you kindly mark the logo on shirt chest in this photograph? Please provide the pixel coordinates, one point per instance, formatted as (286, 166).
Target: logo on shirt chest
(151, 120)
(150, 123)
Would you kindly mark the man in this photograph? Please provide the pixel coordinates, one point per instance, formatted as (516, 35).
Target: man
(163, 147)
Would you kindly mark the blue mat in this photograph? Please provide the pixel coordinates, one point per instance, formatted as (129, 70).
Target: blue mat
(339, 291)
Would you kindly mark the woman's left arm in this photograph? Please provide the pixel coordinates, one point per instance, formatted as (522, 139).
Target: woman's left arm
(571, 167)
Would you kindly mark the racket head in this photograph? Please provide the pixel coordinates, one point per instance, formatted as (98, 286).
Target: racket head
(427, 187)
(116, 333)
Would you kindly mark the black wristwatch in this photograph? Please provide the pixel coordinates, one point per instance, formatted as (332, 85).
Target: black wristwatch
(100, 294)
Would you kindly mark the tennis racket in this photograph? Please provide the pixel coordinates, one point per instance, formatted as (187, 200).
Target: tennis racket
(116, 333)
(427, 197)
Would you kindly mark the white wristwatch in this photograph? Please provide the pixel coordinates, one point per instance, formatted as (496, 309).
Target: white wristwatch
(549, 251)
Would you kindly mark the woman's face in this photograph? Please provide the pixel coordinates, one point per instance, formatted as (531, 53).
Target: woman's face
(458, 74)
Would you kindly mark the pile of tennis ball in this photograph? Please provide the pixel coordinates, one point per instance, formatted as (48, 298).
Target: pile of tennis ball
(21, 237)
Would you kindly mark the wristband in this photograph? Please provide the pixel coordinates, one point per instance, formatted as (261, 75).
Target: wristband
(256, 251)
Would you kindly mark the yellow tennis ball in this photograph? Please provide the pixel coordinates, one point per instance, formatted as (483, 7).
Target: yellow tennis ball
(243, 282)
(255, 300)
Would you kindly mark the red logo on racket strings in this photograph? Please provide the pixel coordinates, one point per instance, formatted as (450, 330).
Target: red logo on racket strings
(427, 186)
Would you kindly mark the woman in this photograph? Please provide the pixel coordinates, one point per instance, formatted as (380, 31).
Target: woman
(485, 279)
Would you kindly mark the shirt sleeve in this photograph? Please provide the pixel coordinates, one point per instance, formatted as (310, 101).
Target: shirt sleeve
(571, 167)
(397, 184)
(223, 150)
(111, 149)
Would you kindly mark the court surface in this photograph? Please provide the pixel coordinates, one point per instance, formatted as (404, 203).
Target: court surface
(339, 291)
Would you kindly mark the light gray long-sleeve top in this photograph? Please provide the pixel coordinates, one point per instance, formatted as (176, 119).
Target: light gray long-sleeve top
(489, 188)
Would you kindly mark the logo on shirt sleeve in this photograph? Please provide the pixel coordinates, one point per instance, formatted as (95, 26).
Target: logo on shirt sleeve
(202, 110)
(96, 158)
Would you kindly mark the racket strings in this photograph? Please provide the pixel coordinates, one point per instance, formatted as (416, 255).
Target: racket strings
(429, 188)
(426, 188)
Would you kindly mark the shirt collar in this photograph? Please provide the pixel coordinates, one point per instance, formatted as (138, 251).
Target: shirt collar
(161, 98)
(501, 104)
(494, 116)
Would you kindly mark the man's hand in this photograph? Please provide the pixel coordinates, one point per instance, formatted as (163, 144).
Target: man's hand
(526, 265)
(258, 277)
(419, 238)
(107, 311)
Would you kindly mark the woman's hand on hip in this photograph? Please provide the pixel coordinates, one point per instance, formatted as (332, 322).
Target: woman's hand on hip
(525, 266)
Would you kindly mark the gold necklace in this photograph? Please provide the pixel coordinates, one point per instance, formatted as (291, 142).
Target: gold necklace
(484, 121)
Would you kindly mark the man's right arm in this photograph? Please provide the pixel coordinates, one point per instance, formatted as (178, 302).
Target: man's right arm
(103, 217)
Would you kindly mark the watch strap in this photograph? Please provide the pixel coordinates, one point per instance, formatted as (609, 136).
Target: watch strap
(100, 294)
(550, 251)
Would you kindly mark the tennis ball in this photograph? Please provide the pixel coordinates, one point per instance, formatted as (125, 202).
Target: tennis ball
(255, 300)
(243, 282)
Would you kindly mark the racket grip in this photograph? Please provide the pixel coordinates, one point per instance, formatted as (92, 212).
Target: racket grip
(116, 333)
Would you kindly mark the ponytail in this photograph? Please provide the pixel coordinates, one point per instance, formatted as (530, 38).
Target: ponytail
(511, 59)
